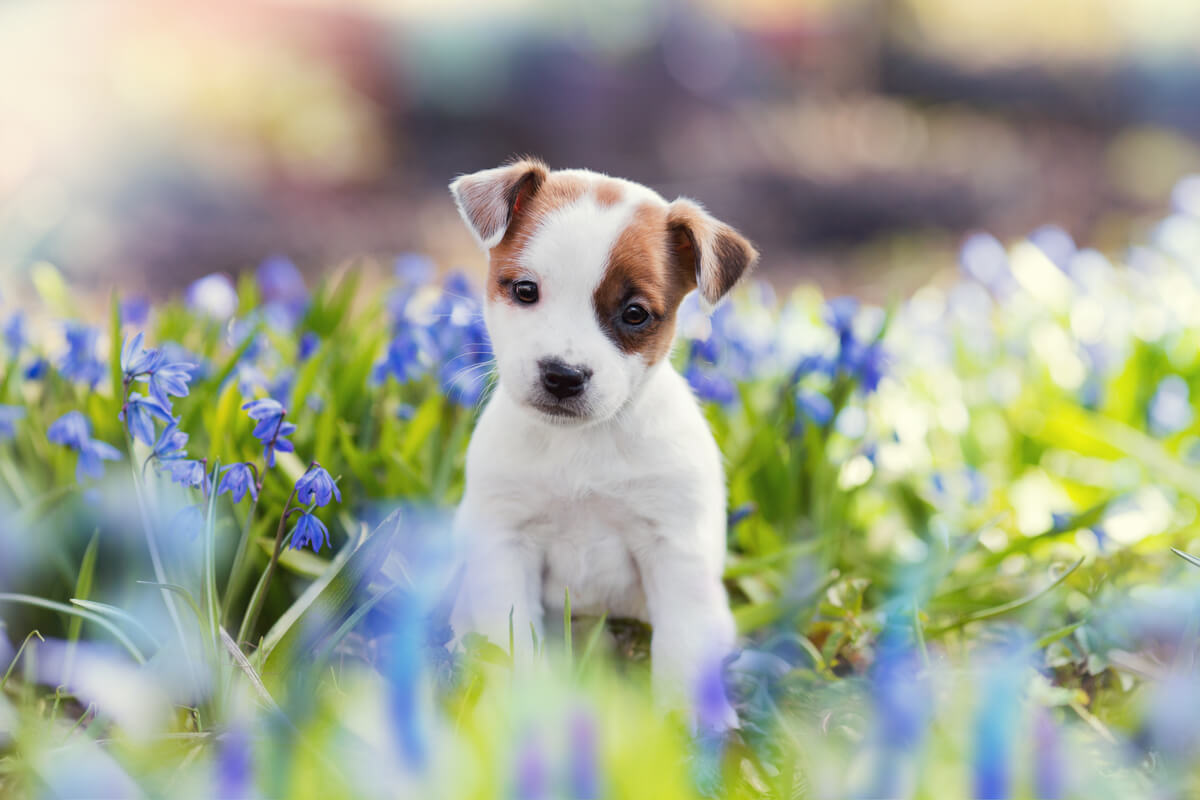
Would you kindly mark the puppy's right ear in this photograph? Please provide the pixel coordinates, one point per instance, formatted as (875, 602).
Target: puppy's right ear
(488, 200)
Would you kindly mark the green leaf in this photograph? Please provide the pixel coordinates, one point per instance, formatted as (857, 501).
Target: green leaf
(1191, 559)
(114, 349)
(83, 584)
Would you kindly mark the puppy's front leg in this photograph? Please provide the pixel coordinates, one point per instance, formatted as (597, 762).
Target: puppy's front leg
(693, 629)
(502, 578)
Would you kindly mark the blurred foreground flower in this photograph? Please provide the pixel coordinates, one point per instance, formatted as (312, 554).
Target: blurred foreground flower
(74, 431)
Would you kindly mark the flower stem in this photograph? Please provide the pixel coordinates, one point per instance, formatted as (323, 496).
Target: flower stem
(237, 572)
(260, 589)
(160, 573)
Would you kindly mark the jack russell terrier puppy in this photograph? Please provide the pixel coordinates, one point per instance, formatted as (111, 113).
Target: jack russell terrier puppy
(592, 468)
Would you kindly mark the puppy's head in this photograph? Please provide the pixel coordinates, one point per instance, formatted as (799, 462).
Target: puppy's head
(585, 275)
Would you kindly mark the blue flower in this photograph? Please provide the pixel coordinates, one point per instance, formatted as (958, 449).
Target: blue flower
(869, 365)
(139, 414)
(1048, 759)
(839, 314)
(74, 431)
(37, 370)
(136, 360)
(170, 380)
(188, 472)
(167, 378)
(465, 375)
(170, 443)
(71, 429)
(8, 418)
(135, 310)
(282, 287)
(997, 719)
(264, 409)
(237, 480)
(711, 701)
(309, 531)
(91, 458)
(710, 385)
(309, 343)
(532, 772)
(405, 355)
(583, 773)
(317, 485)
(271, 429)
(984, 258)
(1056, 243)
(14, 333)
(741, 513)
(814, 406)
(214, 296)
(80, 362)
(278, 443)
(414, 269)
(234, 765)
(280, 281)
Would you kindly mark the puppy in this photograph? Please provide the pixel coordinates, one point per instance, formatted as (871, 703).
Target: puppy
(592, 468)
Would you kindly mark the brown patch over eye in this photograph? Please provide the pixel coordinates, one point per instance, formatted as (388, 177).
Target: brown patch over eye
(530, 205)
(640, 273)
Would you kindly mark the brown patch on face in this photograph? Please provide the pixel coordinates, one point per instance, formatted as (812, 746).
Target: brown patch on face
(641, 270)
(608, 193)
(530, 208)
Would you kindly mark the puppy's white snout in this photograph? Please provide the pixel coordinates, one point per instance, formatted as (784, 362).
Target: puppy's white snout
(561, 379)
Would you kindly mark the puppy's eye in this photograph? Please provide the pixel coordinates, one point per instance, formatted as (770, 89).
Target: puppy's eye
(634, 315)
(525, 292)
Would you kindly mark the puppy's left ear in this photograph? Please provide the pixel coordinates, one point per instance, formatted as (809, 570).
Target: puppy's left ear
(713, 255)
(488, 200)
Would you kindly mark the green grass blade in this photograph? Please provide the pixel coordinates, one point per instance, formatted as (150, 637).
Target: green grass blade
(115, 613)
(114, 348)
(1191, 559)
(590, 645)
(12, 664)
(83, 584)
(1005, 608)
(62, 608)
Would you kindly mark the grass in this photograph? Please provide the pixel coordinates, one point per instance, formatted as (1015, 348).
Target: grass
(950, 552)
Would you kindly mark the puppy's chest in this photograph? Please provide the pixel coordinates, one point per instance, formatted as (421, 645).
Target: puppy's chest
(588, 547)
(587, 528)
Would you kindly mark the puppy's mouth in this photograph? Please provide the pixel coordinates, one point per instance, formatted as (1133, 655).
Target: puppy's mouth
(560, 411)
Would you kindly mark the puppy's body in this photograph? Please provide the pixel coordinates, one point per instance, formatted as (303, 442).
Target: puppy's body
(592, 468)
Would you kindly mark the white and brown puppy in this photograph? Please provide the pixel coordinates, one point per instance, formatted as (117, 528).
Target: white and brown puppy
(592, 468)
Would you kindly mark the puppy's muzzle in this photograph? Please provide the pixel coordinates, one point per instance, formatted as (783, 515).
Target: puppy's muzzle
(563, 380)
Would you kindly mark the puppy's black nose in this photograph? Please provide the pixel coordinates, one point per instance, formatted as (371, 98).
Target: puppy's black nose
(563, 380)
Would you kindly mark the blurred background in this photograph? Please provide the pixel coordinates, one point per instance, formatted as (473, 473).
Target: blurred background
(855, 141)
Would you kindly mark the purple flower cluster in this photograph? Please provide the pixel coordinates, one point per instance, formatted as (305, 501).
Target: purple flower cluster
(315, 487)
(448, 337)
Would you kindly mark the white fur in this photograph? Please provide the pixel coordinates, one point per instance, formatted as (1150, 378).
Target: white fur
(624, 507)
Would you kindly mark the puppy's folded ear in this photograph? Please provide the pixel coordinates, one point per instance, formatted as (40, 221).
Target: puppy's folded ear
(488, 200)
(713, 256)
